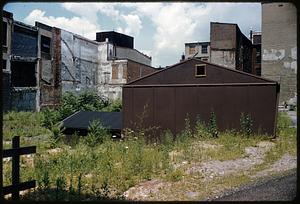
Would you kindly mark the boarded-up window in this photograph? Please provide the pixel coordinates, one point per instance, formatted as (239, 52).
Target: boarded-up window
(4, 33)
(23, 74)
(45, 44)
(114, 72)
(200, 70)
(192, 49)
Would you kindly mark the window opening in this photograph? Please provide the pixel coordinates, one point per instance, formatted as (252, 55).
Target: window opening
(200, 70)
(204, 49)
(23, 74)
(45, 44)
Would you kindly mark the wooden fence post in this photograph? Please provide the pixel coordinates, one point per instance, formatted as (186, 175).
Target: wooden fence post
(15, 153)
(15, 168)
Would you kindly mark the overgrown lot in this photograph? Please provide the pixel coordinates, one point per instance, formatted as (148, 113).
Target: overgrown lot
(98, 167)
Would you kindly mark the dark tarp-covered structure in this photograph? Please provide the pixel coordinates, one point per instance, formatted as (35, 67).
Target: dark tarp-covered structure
(80, 121)
(194, 89)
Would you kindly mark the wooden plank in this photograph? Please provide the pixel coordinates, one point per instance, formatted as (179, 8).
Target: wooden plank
(20, 187)
(19, 151)
(15, 173)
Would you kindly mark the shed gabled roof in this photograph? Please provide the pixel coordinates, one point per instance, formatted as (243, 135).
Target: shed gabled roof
(82, 120)
(183, 73)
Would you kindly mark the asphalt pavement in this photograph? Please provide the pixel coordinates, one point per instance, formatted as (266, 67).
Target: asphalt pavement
(283, 188)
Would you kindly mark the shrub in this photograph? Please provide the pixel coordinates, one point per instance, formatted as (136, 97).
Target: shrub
(114, 106)
(246, 124)
(51, 117)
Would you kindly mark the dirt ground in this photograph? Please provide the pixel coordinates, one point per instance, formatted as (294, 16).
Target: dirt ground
(211, 170)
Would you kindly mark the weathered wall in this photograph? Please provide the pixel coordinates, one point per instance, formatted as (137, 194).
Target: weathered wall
(132, 54)
(279, 46)
(223, 44)
(136, 70)
(243, 53)
(24, 99)
(79, 62)
(223, 58)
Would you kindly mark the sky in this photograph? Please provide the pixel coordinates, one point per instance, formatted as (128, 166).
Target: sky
(160, 30)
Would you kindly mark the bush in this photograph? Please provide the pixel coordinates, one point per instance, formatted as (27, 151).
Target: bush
(51, 117)
(97, 134)
(246, 124)
(114, 106)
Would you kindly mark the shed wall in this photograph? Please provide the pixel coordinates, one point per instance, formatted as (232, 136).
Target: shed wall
(167, 106)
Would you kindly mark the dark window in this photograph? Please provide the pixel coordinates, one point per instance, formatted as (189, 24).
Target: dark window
(4, 64)
(258, 71)
(200, 70)
(204, 59)
(45, 44)
(204, 49)
(4, 33)
(23, 74)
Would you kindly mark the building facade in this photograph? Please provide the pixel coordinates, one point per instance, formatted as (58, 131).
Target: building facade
(199, 50)
(229, 47)
(279, 47)
(41, 62)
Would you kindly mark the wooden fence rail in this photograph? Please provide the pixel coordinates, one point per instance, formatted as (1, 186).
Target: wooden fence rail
(15, 153)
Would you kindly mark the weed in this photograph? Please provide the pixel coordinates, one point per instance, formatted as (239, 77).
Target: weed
(246, 124)
(175, 175)
(97, 134)
(212, 125)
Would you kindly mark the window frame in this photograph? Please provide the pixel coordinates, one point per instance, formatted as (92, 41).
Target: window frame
(196, 73)
(204, 47)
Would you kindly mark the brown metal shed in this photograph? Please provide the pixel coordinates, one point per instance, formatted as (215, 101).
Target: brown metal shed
(196, 88)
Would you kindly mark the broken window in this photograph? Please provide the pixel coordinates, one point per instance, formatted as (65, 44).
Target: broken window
(204, 49)
(23, 74)
(200, 70)
(45, 44)
(3, 64)
(192, 49)
(4, 33)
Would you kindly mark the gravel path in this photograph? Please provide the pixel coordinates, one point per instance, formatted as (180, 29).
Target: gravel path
(253, 156)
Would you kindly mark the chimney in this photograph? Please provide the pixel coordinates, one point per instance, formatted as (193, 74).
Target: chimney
(251, 36)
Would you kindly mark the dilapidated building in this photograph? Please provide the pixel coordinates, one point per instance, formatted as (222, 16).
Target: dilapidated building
(42, 62)
(279, 47)
(199, 50)
(229, 47)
